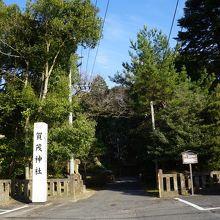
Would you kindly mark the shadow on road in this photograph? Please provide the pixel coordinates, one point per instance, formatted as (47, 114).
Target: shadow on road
(131, 186)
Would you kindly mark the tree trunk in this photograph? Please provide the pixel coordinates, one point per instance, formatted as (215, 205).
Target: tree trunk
(26, 75)
(45, 88)
(45, 76)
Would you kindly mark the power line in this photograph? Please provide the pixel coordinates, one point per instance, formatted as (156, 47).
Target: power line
(81, 52)
(87, 62)
(88, 55)
(171, 28)
(81, 59)
(101, 31)
(174, 16)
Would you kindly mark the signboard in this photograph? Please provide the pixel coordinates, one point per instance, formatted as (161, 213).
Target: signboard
(39, 182)
(189, 157)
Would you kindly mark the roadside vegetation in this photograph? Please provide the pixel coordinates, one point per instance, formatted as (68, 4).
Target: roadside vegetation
(111, 128)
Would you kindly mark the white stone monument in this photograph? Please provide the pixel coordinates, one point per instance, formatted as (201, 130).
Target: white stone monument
(39, 181)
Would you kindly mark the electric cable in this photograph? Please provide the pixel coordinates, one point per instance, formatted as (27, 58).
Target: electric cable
(171, 28)
(81, 52)
(89, 50)
(101, 31)
(174, 16)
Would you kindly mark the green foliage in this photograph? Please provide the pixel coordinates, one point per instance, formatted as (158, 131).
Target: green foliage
(17, 104)
(180, 122)
(37, 48)
(38, 40)
(179, 104)
(98, 86)
(151, 74)
(213, 128)
(66, 140)
(56, 107)
(199, 37)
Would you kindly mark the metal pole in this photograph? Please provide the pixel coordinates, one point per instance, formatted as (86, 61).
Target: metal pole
(191, 177)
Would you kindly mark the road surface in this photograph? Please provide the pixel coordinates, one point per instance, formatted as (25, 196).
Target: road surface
(124, 199)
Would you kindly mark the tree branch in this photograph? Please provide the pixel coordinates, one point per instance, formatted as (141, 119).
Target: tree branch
(55, 58)
(10, 46)
(9, 55)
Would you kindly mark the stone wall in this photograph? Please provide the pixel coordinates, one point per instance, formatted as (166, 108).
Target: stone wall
(174, 184)
(5, 190)
(22, 189)
(168, 186)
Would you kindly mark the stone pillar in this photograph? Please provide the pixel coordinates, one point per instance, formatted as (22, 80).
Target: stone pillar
(72, 185)
(72, 167)
(182, 184)
(175, 183)
(39, 182)
(76, 166)
(160, 182)
(28, 172)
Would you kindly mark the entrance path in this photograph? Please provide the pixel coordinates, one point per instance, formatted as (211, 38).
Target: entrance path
(124, 199)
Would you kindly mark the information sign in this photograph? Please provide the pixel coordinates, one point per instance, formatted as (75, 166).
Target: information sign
(189, 157)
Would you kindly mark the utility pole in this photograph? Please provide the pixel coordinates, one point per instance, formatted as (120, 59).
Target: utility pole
(153, 127)
(71, 93)
(70, 96)
(70, 164)
(152, 115)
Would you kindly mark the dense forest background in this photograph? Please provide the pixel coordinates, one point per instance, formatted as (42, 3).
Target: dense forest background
(111, 127)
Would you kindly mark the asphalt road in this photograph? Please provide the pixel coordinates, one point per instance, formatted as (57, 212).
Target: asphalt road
(124, 199)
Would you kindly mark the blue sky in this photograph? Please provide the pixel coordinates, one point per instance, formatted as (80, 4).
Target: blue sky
(124, 19)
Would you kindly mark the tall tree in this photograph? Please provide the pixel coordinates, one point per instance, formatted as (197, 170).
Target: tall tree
(213, 128)
(52, 29)
(178, 102)
(35, 48)
(199, 37)
(150, 75)
(179, 124)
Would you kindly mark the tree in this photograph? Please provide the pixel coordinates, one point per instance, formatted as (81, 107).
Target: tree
(212, 127)
(179, 124)
(199, 37)
(151, 74)
(98, 86)
(16, 105)
(36, 46)
(52, 29)
(104, 102)
(66, 140)
(178, 102)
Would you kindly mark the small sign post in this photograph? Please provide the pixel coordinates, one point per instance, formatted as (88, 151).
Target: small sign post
(39, 182)
(190, 158)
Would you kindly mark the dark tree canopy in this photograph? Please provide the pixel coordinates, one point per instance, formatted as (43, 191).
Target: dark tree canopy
(199, 37)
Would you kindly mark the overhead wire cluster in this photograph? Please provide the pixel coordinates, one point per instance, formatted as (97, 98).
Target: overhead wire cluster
(98, 44)
(89, 49)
